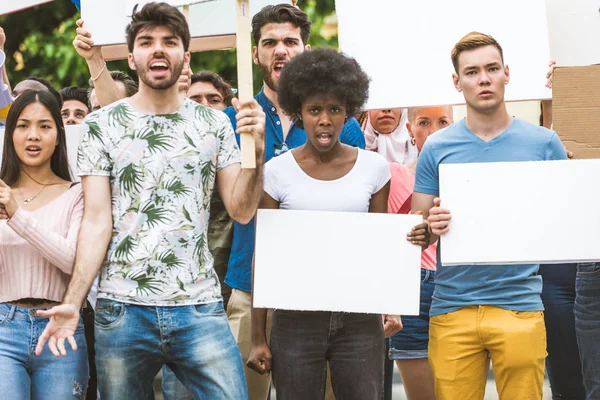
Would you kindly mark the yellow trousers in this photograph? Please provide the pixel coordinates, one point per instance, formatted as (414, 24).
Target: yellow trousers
(460, 342)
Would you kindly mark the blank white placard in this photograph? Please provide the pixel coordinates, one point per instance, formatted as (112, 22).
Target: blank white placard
(336, 261)
(208, 18)
(73, 136)
(574, 30)
(73, 133)
(8, 6)
(405, 46)
(521, 212)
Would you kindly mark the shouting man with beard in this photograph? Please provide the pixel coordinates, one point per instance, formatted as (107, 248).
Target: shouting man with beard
(148, 165)
(280, 33)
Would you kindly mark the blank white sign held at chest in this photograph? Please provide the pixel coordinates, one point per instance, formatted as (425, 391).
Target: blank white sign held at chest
(336, 261)
(405, 46)
(521, 212)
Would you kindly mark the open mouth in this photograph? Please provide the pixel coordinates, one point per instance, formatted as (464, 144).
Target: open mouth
(278, 67)
(324, 138)
(159, 67)
(33, 150)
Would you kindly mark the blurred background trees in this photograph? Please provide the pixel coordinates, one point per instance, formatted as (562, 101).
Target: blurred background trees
(39, 43)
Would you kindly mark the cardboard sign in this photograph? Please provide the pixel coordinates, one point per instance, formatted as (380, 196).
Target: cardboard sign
(572, 26)
(405, 46)
(336, 261)
(521, 212)
(576, 109)
(73, 136)
(9, 7)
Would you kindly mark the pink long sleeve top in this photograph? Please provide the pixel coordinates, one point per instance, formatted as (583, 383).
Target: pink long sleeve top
(37, 249)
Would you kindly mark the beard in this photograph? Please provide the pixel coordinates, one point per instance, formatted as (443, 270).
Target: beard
(163, 84)
(267, 74)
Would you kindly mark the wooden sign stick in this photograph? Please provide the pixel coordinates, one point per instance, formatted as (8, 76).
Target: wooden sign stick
(244, 69)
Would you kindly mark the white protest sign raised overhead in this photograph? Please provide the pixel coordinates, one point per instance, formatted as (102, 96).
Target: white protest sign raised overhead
(405, 46)
(73, 136)
(9, 7)
(521, 212)
(336, 261)
(206, 19)
(574, 30)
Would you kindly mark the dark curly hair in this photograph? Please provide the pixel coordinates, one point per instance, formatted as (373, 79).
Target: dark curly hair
(153, 15)
(322, 72)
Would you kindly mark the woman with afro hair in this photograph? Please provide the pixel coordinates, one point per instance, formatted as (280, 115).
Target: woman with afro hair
(321, 89)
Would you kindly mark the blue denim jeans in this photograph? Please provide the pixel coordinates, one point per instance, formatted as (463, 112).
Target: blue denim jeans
(25, 376)
(172, 389)
(133, 343)
(562, 364)
(587, 326)
(412, 341)
(302, 342)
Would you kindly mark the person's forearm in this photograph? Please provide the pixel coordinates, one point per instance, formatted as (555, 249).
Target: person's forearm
(247, 191)
(94, 237)
(5, 77)
(259, 325)
(432, 237)
(107, 90)
(4, 73)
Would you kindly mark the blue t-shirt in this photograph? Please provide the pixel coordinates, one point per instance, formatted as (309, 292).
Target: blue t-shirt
(239, 270)
(512, 287)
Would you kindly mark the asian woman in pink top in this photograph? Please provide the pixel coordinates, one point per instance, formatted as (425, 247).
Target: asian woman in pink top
(409, 346)
(40, 215)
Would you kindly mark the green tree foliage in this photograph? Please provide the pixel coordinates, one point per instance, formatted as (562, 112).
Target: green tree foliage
(39, 43)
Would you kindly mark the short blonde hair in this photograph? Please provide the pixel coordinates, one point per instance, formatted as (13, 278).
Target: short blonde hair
(472, 41)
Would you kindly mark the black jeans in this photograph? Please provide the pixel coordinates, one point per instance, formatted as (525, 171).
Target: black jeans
(302, 342)
(563, 364)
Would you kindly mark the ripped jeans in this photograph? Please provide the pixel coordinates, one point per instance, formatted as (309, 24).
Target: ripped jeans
(25, 376)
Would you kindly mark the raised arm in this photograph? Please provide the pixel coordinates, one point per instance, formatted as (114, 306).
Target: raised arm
(260, 354)
(4, 73)
(240, 188)
(94, 237)
(107, 90)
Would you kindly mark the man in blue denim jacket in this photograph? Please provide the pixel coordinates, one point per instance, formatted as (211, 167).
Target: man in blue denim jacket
(280, 33)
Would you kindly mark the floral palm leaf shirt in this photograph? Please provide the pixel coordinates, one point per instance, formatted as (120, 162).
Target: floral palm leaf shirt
(162, 172)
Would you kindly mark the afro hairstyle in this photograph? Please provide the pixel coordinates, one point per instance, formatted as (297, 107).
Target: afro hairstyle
(322, 72)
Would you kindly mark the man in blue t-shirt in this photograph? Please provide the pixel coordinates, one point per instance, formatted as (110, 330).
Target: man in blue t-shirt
(280, 33)
(483, 310)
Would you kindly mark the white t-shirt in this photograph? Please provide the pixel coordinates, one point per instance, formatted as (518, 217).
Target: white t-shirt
(288, 184)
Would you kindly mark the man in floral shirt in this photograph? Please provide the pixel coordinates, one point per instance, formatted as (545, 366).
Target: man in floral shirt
(155, 158)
